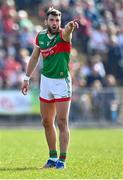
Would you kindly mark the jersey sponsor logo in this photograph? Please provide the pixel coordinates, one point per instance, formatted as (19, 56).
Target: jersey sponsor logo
(60, 47)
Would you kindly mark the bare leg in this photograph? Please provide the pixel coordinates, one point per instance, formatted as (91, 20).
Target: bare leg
(62, 109)
(48, 116)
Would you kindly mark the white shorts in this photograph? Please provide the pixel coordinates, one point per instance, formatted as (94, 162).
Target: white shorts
(55, 90)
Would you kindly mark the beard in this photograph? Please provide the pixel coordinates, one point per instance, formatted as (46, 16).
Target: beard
(52, 30)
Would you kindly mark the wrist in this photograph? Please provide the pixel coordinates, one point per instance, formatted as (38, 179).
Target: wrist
(26, 78)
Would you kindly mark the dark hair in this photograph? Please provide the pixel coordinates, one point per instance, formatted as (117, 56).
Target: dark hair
(53, 12)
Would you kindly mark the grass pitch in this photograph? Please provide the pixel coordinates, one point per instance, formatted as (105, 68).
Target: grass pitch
(92, 154)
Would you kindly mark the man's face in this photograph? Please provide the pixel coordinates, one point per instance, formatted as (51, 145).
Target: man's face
(53, 23)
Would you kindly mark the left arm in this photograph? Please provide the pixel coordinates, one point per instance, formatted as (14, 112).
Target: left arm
(69, 28)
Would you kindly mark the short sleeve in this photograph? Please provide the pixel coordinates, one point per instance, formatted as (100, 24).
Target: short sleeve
(36, 41)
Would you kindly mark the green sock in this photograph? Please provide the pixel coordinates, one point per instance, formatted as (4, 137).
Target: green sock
(53, 154)
(62, 157)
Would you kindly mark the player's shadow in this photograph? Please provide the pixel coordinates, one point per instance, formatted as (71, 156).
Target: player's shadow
(18, 169)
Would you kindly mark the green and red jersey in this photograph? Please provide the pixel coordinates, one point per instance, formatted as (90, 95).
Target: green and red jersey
(56, 54)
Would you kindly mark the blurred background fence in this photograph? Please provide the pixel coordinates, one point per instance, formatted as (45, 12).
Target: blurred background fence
(89, 107)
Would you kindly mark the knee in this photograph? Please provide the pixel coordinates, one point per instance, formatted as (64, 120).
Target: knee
(62, 124)
(47, 123)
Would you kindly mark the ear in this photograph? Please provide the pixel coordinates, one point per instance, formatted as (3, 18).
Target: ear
(45, 22)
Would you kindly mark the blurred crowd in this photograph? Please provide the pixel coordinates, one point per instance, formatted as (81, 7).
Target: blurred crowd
(17, 34)
(97, 53)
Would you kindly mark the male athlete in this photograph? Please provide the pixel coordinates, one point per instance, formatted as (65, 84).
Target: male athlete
(54, 44)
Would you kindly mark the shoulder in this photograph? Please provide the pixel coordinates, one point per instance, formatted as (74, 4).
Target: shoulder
(42, 32)
(40, 35)
(61, 33)
(63, 36)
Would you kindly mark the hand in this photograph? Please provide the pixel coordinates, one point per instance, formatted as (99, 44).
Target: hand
(25, 87)
(74, 24)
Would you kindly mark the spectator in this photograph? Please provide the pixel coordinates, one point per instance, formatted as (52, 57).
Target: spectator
(111, 100)
(97, 99)
(99, 40)
(114, 57)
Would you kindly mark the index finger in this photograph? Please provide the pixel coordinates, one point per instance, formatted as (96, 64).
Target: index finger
(77, 25)
(76, 22)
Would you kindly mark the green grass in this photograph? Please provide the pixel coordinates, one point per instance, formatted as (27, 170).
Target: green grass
(92, 154)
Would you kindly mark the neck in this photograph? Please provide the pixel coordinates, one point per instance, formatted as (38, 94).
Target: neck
(50, 34)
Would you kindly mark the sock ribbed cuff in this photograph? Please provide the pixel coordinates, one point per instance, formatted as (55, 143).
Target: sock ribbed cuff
(62, 157)
(53, 154)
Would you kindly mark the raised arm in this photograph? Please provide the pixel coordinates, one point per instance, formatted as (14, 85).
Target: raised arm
(30, 68)
(69, 28)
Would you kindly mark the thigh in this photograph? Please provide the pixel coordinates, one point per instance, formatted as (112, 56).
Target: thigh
(45, 93)
(48, 110)
(62, 109)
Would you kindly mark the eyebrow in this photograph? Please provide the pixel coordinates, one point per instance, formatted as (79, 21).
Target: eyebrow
(55, 19)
